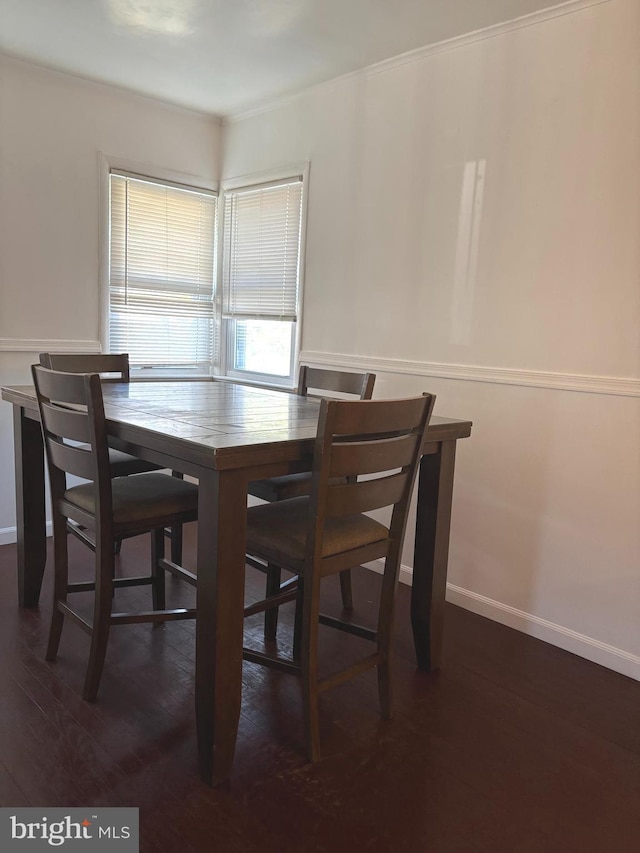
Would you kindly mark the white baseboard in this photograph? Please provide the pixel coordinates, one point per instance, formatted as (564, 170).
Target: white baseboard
(9, 535)
(571, 641)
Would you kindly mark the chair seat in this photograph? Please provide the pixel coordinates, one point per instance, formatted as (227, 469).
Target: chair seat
(278, 532)
(285, 487)
(123, 464)
(140, 497)
(281, 488)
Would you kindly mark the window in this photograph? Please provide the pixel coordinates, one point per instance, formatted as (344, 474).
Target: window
(261, 279)
(169, 306)
(162, 274)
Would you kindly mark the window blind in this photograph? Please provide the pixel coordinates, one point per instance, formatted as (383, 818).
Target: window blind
(161, 273)
(261, 257)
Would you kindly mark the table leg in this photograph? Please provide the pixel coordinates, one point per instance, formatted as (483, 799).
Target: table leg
(222, 510)
(431, 553)
(30, 506)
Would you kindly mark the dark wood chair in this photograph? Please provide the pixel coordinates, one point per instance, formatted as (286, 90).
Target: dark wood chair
(326, 532)
(112, 367)
(311, 380)
(103, 509)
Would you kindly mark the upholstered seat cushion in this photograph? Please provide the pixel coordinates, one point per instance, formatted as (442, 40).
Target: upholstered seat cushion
(141, 496)
(122, 464)
(285, 487)
(278, 531)
(281, 488)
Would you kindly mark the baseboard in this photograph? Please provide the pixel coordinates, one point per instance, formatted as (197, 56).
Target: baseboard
(9, 535)
(571, 641)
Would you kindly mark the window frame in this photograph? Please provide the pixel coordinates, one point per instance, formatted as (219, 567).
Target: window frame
(162, 176)
(220, 367)
(224, 368)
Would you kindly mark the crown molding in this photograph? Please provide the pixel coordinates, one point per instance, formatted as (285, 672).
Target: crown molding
(36, 345)
(7, 57)
(616, 386)
(532, 19)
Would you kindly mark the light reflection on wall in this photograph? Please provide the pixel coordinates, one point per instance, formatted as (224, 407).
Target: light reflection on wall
(467, 245)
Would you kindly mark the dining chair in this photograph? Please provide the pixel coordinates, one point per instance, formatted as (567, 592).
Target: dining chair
(366, 456)
(106, 508)
(310, 381)
(112, 367)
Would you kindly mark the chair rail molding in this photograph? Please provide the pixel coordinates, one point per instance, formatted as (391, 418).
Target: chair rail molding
(54, 345)
(612, 385)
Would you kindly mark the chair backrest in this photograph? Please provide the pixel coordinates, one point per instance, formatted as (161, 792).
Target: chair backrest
(318, 379)
(378, 439)
(74, 431)
(115, 365)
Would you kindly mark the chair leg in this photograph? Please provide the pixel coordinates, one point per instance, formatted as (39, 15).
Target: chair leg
(345, 588)
(309, 666)
(385, 630)
(101, 617)
(297, 621)
(176, 544)
(273, 588)
(176, 532)
(158, 583)
(60, 583)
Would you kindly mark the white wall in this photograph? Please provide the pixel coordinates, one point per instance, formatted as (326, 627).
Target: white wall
(526, 279)
(52, 129)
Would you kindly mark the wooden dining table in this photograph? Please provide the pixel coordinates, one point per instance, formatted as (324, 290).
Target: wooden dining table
(225, 435)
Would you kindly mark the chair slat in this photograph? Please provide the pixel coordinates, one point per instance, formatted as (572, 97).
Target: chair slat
(69, 387)
(368, 457)
(116, 363)
(66, 422)
(378, 416)
(353, 498)
(339, 381)
(73, 460)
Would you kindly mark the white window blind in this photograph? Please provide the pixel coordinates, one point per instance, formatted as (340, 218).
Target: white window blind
(161, 273)
(261, 258)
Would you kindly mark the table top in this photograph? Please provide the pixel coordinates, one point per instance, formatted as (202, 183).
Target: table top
(218, 424)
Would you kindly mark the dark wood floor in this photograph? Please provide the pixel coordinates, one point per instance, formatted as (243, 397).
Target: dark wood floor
(513, 746)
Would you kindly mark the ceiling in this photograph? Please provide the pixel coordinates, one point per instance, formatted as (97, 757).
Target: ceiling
(224, 56)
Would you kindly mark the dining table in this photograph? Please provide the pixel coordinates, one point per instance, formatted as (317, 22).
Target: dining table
(226, 434)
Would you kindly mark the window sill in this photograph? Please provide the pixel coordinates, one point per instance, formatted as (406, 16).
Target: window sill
(255, 383)
(174, 377)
